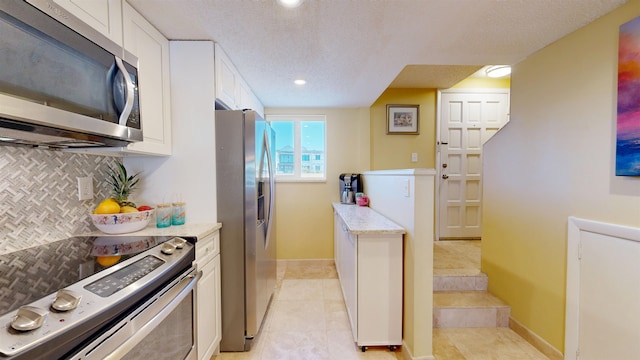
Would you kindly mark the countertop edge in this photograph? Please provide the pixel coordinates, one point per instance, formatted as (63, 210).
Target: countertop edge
(199, 230)
(362, 220)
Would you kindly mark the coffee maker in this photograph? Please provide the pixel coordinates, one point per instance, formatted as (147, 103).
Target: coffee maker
(350, 184)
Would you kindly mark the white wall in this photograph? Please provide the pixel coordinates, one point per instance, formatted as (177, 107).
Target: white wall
(407, 198)
(189, 173)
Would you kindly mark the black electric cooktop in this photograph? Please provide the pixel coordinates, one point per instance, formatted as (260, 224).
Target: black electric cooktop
(30, 274)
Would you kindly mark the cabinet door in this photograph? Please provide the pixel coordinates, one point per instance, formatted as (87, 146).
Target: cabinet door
(379, 287)
(152, 49)
(208, 309)
(337, 233)
(248, 100)
(103, 15)
(348, 253)
(226, 79)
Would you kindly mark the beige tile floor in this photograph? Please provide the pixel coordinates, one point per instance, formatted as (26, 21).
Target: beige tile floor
(459, 257)
(499, 343)
(307, 319)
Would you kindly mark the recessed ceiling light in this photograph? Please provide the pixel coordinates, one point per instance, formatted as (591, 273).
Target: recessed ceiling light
(290, 3)
(497, 71)
(299, 81)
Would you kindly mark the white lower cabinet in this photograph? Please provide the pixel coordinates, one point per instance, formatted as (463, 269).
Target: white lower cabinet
(369, 267)
(208, 312)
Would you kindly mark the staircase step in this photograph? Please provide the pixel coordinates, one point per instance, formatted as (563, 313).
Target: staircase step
(452, 282)
(469, 309)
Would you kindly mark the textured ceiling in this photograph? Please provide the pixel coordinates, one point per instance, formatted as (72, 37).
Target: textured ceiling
(350, 51)
(432, 76)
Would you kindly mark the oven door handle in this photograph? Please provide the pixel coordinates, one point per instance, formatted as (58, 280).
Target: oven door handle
(141, 333)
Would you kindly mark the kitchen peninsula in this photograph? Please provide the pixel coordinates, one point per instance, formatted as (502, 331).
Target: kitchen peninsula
(368, 255)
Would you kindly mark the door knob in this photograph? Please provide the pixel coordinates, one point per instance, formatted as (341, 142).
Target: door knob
(445, 176)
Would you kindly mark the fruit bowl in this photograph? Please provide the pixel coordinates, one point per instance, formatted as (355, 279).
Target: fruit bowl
(122, 223)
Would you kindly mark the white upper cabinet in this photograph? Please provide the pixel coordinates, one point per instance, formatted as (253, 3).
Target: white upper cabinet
(152, 50)
(231, 88)
(226, 79)
(105, 16)
(248, 100)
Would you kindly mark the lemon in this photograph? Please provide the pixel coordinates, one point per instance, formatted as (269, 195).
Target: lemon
(128, 209)
(107, 261)
(107, 206)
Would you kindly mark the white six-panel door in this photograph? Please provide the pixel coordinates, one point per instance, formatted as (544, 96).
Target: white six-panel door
(467, 120)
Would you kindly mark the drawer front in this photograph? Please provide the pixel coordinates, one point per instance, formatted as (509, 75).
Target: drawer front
(208, 247)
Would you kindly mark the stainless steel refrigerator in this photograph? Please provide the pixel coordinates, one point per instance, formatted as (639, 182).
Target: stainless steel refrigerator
(245, 146)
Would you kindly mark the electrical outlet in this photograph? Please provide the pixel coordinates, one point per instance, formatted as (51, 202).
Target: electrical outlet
(85, 188)
(404, 187)
(414, 157)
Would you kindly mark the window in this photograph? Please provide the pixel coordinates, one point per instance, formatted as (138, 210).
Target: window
(300, 147)
(286, 158)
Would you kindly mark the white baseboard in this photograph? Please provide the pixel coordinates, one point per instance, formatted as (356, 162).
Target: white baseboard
(407, 355)
(317, 262)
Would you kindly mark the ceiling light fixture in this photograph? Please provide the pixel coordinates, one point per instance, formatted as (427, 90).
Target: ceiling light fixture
(290, 3)
(299, 81)
(498, 71)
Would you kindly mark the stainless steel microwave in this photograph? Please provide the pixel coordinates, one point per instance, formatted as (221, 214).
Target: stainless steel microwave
(62, 83)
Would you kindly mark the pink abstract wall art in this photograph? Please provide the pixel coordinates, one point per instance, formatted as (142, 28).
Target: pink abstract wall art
(628, 125)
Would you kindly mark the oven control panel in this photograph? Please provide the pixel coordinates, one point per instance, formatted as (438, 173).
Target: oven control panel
(49, 317)
(124, 277)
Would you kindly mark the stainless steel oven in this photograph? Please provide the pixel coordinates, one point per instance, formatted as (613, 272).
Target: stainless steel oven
(135, 299)
(160, 328)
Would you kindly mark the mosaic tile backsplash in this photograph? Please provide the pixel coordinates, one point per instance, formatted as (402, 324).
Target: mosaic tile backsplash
(39, 195)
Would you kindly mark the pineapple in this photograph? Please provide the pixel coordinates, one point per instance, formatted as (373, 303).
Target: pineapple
(122, 184)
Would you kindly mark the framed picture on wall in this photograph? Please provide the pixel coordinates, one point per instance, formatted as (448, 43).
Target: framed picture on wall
(628, 125)
(403, 120)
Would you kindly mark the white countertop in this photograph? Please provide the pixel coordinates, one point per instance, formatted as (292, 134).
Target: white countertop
(199, 230)
(364, 220)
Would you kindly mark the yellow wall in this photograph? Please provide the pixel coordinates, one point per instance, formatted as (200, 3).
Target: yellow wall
(394, 151)
(483, 83)
(304, 217)
(554, 159)
(356, 141)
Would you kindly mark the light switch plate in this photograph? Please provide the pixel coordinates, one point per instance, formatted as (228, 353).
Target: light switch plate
(85, 188)
(414, 157)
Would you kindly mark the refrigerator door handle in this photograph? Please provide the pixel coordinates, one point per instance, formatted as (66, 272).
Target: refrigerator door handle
(272, 187)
